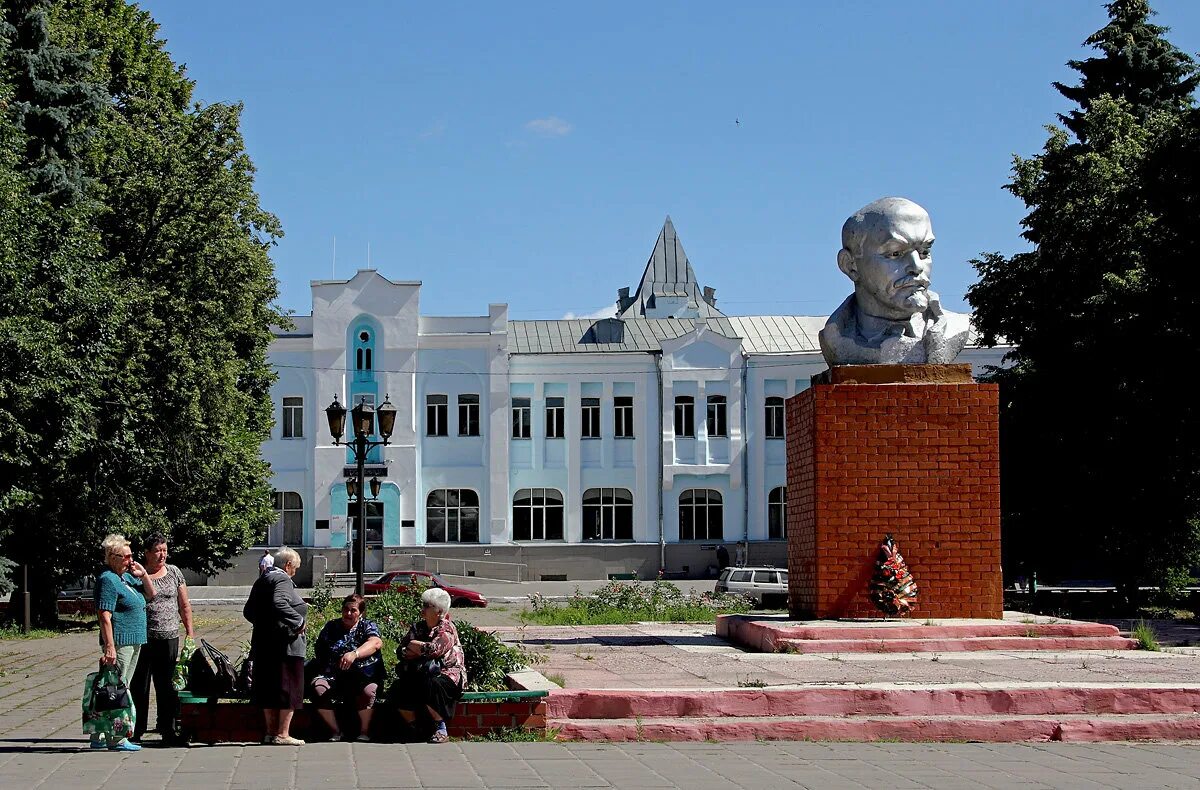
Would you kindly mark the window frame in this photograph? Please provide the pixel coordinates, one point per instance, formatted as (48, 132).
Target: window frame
(546, 509)
(292, 417)
(777, 509)
(773, 417)
(468, 414)
(556, 417)
(459, 509)
(437, 415)
(689, 511)
(281, 502)
(717, 408)
(685, 416)
(521, 410)
(589, 414)
(623, 417)
(607, 512)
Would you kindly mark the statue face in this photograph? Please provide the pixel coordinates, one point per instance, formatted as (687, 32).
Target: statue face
(891, 272)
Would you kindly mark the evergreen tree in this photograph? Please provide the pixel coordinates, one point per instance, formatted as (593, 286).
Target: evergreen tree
(1099, 477)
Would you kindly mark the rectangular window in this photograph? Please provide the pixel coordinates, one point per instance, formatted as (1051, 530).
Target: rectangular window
(520, 418)
(607, 514)
(685, 416)
(623, 414)
(716, 416)
(293, 418)
(437, 415)
(555, 418)
(468, 415)
(591, 418)
(774, 418)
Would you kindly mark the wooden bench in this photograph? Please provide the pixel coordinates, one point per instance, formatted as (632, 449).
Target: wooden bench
(204, 720)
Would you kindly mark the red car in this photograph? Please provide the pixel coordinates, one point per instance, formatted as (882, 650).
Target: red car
(400, 580)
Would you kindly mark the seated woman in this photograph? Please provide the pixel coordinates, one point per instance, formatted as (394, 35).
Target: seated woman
(431, 671)
(348, 666)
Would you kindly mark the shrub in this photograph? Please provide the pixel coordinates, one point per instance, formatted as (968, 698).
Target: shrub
(628, 602)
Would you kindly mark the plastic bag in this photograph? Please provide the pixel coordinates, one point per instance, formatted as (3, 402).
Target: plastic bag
(180, 679)
(116, 721)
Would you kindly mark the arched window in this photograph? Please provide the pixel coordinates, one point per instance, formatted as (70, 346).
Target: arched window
(538, 514)
(452, 516)
(289, 522)
(777, 513)
(608, 514)
(700, 514)
(774, 418)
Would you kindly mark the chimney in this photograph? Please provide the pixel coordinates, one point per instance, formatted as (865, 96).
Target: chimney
(710, 295)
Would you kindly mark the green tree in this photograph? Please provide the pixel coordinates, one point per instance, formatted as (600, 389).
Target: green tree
(177, 395)
(1099, 475)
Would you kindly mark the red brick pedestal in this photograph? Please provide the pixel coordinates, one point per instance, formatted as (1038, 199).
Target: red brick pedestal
(918, 459)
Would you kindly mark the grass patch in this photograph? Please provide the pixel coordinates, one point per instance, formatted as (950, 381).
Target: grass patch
(67, 624)
(619, 603)
(752, 683)
(1145, 637)
(556, 677)
(517, 735)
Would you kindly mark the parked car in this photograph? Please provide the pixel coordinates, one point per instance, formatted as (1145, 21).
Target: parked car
(402, 580)
(765, 584)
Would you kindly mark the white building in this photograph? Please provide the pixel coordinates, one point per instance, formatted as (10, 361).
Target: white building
(545, 449)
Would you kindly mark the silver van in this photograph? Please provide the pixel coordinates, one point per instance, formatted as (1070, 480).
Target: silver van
(768, 586)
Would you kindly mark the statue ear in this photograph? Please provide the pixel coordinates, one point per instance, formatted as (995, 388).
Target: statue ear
(847, 264)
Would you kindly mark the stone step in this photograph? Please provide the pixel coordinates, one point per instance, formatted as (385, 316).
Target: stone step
(950, 631)
(966, 699)
(954, 645)
(1005, 728)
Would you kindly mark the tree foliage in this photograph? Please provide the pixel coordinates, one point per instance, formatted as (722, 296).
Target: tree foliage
(135, 317)
(1100, 463)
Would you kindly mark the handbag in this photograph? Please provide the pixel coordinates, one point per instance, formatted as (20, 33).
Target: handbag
(210, 672)
(426, 666)
(179, 679)
(107, 706)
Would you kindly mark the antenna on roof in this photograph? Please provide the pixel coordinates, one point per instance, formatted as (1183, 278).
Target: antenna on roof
(335, 257)
(368, 255)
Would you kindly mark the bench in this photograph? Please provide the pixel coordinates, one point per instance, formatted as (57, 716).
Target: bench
(205, 720)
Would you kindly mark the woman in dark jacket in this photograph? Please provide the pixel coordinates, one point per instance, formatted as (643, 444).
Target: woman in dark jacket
(277, 646)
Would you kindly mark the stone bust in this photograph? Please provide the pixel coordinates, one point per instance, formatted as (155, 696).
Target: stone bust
(892, 317)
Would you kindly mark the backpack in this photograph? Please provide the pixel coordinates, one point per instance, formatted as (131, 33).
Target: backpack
(210, 672)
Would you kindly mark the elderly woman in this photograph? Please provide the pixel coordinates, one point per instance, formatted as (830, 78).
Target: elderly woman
(431, 669)
(277, 647)
(165, 612)
(348, 665)
(121, 597)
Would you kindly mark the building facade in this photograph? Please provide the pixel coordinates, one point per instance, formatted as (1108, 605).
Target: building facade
(568, 449)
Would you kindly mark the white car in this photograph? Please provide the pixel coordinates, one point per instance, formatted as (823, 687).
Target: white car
(766, 585)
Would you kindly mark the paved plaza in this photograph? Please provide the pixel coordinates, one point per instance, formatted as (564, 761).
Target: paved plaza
(41, 744)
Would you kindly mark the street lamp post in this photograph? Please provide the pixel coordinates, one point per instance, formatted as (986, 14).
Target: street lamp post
(362, 422)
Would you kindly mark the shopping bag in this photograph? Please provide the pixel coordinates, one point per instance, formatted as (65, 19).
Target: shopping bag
(180, 679)
(107, 704)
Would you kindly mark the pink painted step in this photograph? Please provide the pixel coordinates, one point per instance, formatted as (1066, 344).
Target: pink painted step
(583, 704)
(1000, 729)
(965, 644)
(953, 630)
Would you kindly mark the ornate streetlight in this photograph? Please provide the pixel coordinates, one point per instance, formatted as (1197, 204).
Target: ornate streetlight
(362, 423)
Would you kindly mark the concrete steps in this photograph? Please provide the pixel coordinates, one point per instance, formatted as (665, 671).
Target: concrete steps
(773, 635)
(947, 712)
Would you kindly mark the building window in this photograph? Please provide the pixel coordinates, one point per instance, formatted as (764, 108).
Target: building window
(777, 513)
(289, 522)
(437, 415)
(591, 418)
(623, 417)
(716, 416)
(293, 418)
(364, 363)
(607, 514)
(452, 516)
(685, 415)
(520, 418)
(774, 418)
(374, 523)
(556, 410)
(538, 514)
(700, 514)
(468, 415)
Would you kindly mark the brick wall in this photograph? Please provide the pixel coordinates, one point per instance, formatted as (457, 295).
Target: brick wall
(480, 718)
(919, 461)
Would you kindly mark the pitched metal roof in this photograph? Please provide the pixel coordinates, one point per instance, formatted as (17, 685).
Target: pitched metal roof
(668, 274)
(782, 334)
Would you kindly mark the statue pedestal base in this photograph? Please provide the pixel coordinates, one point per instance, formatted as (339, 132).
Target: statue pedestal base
(918, 460)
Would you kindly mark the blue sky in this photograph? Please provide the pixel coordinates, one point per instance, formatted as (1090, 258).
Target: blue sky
(528, 152)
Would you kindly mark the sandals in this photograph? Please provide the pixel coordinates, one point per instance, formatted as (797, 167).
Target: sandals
(440, 736)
